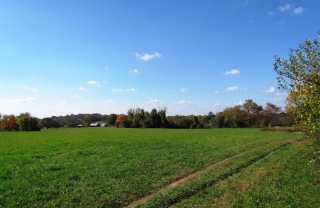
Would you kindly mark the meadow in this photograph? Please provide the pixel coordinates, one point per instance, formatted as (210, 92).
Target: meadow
(111, 167)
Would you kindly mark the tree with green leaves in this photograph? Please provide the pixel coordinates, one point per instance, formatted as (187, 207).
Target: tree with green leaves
(300, 77)
(27, 123)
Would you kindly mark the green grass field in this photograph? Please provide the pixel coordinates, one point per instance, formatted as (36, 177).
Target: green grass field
(110, 167)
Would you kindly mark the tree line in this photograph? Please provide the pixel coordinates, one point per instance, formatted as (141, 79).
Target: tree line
(250, 114)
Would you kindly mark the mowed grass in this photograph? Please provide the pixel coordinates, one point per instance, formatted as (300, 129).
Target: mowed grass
(110, 167)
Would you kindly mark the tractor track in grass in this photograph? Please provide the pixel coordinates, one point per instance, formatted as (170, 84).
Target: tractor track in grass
(198, 173)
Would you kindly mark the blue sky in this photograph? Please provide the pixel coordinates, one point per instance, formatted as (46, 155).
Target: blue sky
(191, 56)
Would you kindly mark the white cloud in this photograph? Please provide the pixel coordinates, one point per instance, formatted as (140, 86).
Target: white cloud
(135, 71)
(232, 72)
(106, 68)
(147, 57)
(285, 7)
(183, 90)
(95, 83)
(233, 88)
(28, 100)
(76, 96)
(270, 90)
(298, 10)
(131, 90)
(82, 88)
(124, 90)
(181, 102)
(31, 89)
(154, 103)
(64, 102)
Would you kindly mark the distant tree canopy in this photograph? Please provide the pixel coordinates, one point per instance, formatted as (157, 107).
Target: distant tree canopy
(8, 123)
(24, 122)
(300, 77)
(250, 114)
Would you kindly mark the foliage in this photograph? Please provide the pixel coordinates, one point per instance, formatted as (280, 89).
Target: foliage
(120, 119)
(300, 77)
(8, 123)
(111, 119)
(27, 123)
(252, 115)
(140, 118)
(49, 123)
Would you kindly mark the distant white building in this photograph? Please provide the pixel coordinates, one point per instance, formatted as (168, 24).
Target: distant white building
(94, 125)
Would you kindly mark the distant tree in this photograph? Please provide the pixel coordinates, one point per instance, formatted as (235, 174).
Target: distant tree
(271, 115)
(120, 119)
(182, 122)
(28, 123)
(136, 117)
(163, 116)
(49, 123)
(209, 119)
(195, 123)
(218, 120)
(252, 113)
(154, 119)
(299, 75)
(23, 121)
(111, 119)
(9, 123)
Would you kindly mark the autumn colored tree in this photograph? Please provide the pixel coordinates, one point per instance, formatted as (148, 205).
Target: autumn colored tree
(9, 123)
(271, 115)
(120, 119)
(300, 77)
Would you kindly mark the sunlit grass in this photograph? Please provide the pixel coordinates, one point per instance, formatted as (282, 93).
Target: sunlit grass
(110, 167)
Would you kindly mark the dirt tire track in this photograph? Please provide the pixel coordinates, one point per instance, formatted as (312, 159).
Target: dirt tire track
(197, 174)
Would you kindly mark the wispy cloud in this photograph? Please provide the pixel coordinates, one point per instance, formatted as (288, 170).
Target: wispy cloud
(124, 90)
(131, 90)
(31, 89)
(232, 72)
(233, 88)
(183, 90)
(76, 96)
(270, 90)
(289, 7)
(154, 103)
(285, 7)
(181, 102)
(135, 71)
(298, 10)
(95, 83)
(148, 57)
(82, 88)
(28, 100)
